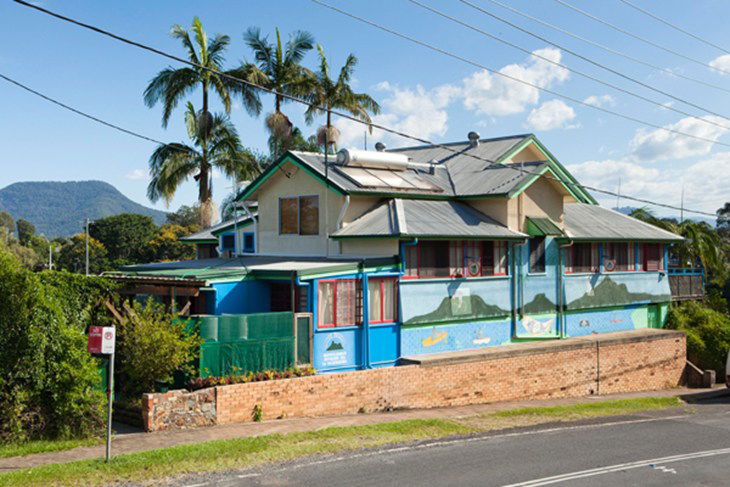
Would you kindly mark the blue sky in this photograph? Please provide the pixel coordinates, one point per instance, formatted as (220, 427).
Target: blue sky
(422, 92)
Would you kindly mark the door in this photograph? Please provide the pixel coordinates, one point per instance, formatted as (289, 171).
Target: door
(303, 337)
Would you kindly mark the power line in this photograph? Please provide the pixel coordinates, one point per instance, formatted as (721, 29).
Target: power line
(674, 26)
(639, 38)
(573, 70)
(607, 48)
(79, 112)
(376, 125)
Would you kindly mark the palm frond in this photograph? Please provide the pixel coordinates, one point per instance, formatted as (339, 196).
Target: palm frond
(260, 47)
(170, 165)
(181, 33)
(169, 86)
(201, 39)
(299, 43)
(216, 49)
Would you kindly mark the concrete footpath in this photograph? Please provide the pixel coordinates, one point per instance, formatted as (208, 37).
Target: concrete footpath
(129, 442)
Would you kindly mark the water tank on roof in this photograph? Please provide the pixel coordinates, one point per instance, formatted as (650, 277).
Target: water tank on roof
(372, 159)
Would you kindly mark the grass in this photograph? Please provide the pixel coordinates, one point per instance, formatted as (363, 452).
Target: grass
(249, 452)
(42, 446)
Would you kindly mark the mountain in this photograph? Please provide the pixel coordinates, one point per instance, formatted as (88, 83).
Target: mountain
(59, 208)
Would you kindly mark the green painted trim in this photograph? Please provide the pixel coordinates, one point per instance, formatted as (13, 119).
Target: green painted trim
(292, 159)
(200, 240)
(245, 223)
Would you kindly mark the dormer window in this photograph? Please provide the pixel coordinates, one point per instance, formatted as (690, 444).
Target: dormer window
(299, 215)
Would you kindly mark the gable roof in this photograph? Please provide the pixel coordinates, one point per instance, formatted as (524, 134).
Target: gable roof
(592, 222)
(438, 173)
(210, 234)
(410, 218)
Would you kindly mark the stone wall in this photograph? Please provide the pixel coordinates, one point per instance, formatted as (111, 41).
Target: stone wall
(599, 364)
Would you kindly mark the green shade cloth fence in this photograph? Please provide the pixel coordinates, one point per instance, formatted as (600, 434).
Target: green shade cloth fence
(237, 344)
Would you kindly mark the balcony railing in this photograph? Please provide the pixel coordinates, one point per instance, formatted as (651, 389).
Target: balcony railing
(687, 283)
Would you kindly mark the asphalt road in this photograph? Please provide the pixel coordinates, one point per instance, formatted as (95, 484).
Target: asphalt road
(660, 448)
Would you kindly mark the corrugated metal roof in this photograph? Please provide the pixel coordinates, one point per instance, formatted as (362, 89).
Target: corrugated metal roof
(592, 222)
(425, 218)
(209, 233)
(543, 226)
(455, 174)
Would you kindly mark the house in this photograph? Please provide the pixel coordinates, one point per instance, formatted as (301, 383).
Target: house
(424, 250)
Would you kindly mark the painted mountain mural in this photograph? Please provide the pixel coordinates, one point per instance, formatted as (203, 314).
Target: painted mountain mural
(470, 307)
(58, 209)
(540, 304)
(610, 293)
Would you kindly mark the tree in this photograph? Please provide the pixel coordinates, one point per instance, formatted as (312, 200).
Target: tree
(185, 216)
(278, 68)
(171, 85)
(173, 163)
(723, 216)
(702, 243)
(166, 245)
(328, 94)
(296, 141)
(124, 236)
(72, 256)
(7, 225)
(25, 231)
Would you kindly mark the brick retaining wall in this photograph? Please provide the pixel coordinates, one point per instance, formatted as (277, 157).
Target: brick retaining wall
(599, 364)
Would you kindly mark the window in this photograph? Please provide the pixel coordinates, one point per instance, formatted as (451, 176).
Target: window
(382, 300)
(652, 257)
(537, 254)
(582, 257)
(618, 256)
(433, 259)
(340, 303)
(248, 242)
(228, 241)
(299, 215)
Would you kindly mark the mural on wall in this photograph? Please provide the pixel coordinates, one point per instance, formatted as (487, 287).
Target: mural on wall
(536, 327)
(600, 291)
(540, 304)
(426, 302)
(334, 352)
(419, 340)
(608, 321)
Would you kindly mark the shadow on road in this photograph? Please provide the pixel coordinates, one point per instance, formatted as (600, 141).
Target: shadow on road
(718, 396)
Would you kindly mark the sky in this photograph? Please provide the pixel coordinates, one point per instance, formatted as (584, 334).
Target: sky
(421, 92)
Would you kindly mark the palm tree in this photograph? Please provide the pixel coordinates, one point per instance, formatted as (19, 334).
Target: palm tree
(702, 243)
(277, 67)
(329, 94)
(218, 147)
(171, 85)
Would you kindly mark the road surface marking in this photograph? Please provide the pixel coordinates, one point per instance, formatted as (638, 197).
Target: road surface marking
(619, 467)
(665, 469)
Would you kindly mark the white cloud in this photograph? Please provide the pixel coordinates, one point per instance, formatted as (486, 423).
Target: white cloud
(656, 145)
(704, 191)
(553, 114)
(600, 101)
(721, 63)
(136, 174)
(491, 94)
(415, 111)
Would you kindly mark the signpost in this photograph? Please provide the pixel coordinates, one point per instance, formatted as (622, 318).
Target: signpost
(101, 342)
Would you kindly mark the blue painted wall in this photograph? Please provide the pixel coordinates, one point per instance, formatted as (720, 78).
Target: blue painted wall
(538, 293)
(420, 340)
(585, 291)
(586, 322)
(247, 296)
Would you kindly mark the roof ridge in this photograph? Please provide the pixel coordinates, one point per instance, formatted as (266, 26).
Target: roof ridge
(400, 216)
(436, 145)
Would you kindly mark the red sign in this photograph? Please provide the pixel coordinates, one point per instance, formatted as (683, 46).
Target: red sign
(101, 340)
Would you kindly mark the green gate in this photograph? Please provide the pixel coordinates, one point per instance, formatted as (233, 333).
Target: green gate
(304, 337)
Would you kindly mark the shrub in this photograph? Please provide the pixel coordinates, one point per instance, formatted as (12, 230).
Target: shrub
(48, 382)
(152, 345)
(708, 334)
(212, 381)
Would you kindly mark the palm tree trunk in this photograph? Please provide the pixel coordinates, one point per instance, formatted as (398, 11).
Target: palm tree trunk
(204, 192)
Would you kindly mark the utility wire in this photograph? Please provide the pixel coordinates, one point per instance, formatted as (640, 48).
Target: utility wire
(639, 38)
(674, 26)
(607, 48)
(379, 126)
(573, 70)
(79, 112)
(595, 63)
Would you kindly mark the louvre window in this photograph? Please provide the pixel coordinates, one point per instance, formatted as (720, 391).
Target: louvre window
(340, 303)
(537, 254)
(618, 256)
(299, 215)
(653, 257)
(582, 257)
(433, 259)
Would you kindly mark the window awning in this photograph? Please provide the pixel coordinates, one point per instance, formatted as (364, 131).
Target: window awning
(542, 227)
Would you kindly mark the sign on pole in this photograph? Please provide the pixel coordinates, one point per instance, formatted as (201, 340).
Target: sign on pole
(101, 342)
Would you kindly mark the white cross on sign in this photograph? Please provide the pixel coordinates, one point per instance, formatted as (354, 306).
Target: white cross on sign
(107, 340)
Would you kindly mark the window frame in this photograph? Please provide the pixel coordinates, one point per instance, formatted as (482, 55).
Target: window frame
(595, 252)
(661, 267)
(464, 248)
(299, 215)
(382, 281)
(232, 235)
(334, 324)
(252, 248)
(630, 256)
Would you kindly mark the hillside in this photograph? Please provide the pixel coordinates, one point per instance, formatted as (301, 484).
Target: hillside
(59, 208)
